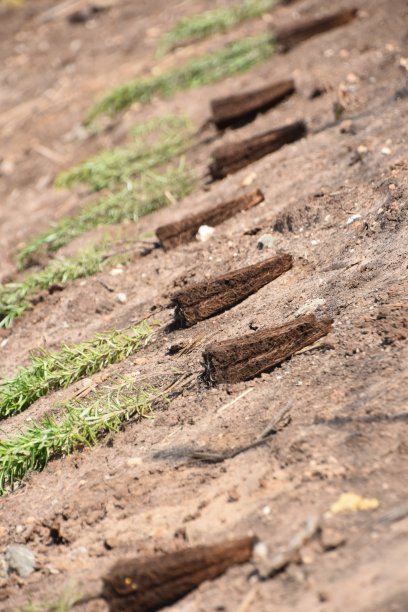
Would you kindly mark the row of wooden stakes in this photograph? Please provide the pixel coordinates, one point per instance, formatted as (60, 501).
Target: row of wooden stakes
(150, 584)
(246, 357)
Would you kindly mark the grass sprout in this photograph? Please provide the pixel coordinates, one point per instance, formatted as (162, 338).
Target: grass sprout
(62, 603)
(238, 56)
(82, 425)
(148, 193)
(156, 142)
(203, 25)
(15, 298)
(51, 371)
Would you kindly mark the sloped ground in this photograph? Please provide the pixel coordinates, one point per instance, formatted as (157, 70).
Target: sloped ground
(137, 492)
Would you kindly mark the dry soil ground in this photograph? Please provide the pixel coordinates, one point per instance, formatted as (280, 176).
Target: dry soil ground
(132, 494)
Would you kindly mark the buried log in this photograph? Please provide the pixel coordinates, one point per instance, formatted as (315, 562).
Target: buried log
(139, 585)
(231, 157)
(244, 358)
(239, 109)
(181, 232)
(208, 298)
(290, 36)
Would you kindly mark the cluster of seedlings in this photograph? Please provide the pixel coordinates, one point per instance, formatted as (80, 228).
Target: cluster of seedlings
(136, 181)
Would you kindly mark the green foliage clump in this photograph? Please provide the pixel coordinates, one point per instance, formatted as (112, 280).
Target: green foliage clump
(236, 57)
(52, 371)
(15, 298)
(84, 423)
(203, 25)
(146, 194)
(169, 137)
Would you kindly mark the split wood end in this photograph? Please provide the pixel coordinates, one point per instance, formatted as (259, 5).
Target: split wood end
(238, 109)
(142, 585)
(234, 156)
(208, 298)
(241, 359)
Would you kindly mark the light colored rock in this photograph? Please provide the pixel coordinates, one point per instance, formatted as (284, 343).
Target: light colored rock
(310, 306)
(266, 241)
(116, 271)
(20, 559)
(121, 298)
(353, 218)
(204, 232)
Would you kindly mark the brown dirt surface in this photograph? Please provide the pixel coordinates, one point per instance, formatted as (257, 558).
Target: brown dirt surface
(336, 201)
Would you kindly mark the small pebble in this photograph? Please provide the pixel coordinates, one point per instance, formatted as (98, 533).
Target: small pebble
(134, 461)
(310, 306)
(353, 218)
(347, 127)
(116, 271)
(20, 559)
(204, 233)
(121, 298)
(385, 151)
(248, 179)
(266, 242)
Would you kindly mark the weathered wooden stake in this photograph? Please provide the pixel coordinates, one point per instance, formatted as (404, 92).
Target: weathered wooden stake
(290, 36)
(143, 585)
(244, 358)
(180, 232)
(239, 109)
(231, 157)
(208, 298)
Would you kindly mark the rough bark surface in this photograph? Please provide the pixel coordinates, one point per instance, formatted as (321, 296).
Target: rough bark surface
(239, 109)
(138, 585)
(180, 232)
(290, 36)
(208, 298)
(231, 157)
(244, 358)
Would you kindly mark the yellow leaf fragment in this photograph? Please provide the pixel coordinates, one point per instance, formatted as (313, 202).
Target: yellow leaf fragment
(351, 502)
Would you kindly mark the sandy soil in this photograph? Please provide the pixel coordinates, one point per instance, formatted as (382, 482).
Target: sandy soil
(136, 492)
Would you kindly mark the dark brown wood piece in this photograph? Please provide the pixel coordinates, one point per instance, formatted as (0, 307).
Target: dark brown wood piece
(239, 109)
(137, 585)
(208, 298)
(290, 36)
(231, 157)
(180, 232)
(244, 358)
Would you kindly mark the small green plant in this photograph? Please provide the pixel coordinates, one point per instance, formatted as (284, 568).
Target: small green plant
(84, 422)
(203, 25)
(15, 298)
(148, 193)
(231, 59)
(63, 603)
(156, 142)
(51, 371)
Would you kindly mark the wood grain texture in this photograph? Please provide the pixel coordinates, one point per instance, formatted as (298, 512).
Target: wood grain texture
(241, 359)
(238, 109)
(181, 232)
(143, 585)
(231, 157)
(290, 36)
(208, 298)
